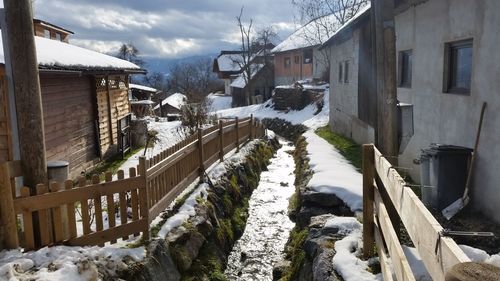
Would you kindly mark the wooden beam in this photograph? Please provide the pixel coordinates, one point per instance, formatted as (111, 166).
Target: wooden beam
(423, 229)
(385, 266)
(400, 264)
(385, 53)
(8, 216)
(28, 99)
(368, 226)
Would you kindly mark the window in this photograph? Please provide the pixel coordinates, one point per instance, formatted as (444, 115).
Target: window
(297, 59)
(308, 56)
(405, 66)
(288, 62)
(458, 67)
(340, 73)
(346, 71)
(46, 33)
(58, 36)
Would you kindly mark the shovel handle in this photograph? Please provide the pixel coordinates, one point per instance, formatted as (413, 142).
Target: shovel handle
(474, 153)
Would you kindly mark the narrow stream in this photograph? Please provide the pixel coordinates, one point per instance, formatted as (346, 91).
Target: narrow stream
(268, 226)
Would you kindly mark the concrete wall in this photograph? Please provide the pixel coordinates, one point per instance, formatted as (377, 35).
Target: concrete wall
(450, 118)
(344, 96)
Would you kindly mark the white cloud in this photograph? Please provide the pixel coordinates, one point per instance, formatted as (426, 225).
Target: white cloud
(107, 47)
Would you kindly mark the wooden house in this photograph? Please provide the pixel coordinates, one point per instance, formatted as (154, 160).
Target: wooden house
(85, 103)
(298, 57)
(171, 106)
(140, 98)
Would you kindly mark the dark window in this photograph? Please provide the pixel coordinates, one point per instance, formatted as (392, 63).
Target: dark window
(297, 59)
(346, 71)
(288, 62)
(308, 56)
(405, 66)
(340, 73)
(458, 67)
(58, 36)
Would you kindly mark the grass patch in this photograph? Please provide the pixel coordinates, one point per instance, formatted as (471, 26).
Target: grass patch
(112, 164)
(347, 147)
(295, 252)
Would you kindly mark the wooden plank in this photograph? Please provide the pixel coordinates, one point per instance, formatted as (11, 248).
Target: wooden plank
(368, 177)
(399, 262)
(200, 153)
(45, 220)
(97, 207)
(422, 227)
(143, 198)
(70, 207)
(385, 266)
(171, 160)
(84, 203)
(8, 216)
(50, 200)
(101, 237)
(123, 204)
(221, 141)
(110, 202)
(165, 201)
(237, 129)
(57, 215)
(134, 200)
(29, 236)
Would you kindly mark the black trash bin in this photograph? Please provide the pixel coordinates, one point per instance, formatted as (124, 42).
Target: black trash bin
(443, 174)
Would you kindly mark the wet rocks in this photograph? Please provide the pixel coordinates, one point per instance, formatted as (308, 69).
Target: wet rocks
(284, 128)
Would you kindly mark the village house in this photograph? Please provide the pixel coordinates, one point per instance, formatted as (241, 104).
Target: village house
(448, 66)
(140, 99)
(352, 96)
(171, 106)
(85, 101)
(230, 67)
(298, 57)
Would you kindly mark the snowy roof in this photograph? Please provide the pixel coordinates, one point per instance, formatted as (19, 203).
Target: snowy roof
(176, 100)
(230, 62)
(53, 54)
(308, 35)
(240, 82)
(142, 87)
(144, 102)
(363, 11)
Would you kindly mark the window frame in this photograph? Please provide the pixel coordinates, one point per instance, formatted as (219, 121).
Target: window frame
(450, 63)
(308, 56)
(346, 71)
(287, 62)
(296, 59)
(402, 67)
(341, 72)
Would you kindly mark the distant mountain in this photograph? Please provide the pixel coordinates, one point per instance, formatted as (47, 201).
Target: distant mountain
(163, 65)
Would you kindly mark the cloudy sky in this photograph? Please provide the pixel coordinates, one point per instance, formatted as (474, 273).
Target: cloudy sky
(163, 28)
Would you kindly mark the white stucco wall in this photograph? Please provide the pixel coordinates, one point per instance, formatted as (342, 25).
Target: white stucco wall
(344, 96)
(451, 118)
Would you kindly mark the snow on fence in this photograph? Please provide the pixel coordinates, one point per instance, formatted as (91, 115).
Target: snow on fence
(390, 200)
(113, 209)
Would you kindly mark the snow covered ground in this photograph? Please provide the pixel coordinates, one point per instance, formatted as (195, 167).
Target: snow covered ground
(220, 102)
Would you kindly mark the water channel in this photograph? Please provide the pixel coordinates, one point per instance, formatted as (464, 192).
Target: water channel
(268, 227)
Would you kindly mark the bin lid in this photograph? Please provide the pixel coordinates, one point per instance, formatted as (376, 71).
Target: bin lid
(437, 148)
(57, 164)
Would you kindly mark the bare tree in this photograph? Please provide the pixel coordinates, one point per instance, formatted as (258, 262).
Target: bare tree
(322, 18)
(195, 80)
(130, 53)
(265, 37)
(247, 52)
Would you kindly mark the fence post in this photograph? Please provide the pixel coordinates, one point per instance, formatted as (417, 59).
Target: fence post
(143, 197)
(200, 154)
(368, 197)
(237, 135)
(251, 127)
(221, 141)
(8, 218)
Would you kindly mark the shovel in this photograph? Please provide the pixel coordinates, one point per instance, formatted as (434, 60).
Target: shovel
(458, 205)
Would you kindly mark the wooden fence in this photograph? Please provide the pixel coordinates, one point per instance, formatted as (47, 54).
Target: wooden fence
(112, 209)
(392, 198)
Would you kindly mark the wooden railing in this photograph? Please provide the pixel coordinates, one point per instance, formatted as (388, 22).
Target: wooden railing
(99, 211)
(392, 198)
